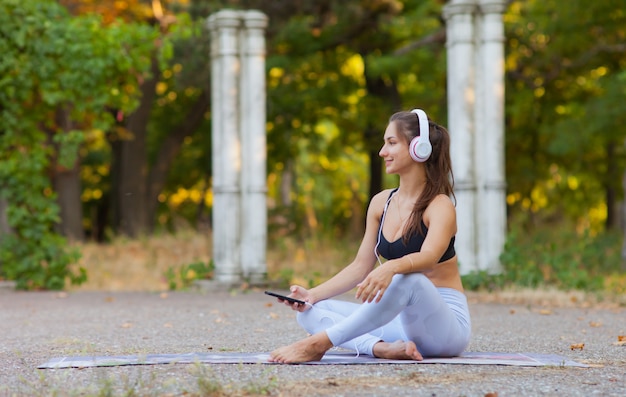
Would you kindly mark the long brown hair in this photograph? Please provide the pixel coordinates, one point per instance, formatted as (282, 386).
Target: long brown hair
(439, 177)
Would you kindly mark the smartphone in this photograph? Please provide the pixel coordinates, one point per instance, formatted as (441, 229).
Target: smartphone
(285, 298)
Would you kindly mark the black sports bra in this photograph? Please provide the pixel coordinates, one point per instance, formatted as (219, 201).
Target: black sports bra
(397, 249)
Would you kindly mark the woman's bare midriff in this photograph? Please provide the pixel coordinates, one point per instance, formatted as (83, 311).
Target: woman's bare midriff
(446, 275)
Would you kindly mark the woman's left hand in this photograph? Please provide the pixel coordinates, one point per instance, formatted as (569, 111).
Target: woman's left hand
(375, 284)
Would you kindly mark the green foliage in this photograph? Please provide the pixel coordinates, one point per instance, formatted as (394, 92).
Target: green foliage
(32, 253)
(283, 278)
(53, 65)
(556, 257)
(565, 106)
(183, 277)
(483, 280)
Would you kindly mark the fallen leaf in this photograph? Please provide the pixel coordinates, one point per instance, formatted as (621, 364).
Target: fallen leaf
(164, 295)
(273, 315)
(595, 324)
(621, 340)
(61, 295)
(109, 299)
(545, 312)
(127, 325)
(168, 325)
(269, 304)
(512, 311)
(492, 394)
(577, 346)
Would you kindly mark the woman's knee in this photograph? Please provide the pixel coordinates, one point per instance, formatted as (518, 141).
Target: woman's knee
(314, 321)
(304, 318)
(412, 279)
(408, 289)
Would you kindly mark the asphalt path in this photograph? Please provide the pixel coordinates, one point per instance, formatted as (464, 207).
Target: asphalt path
(38, 326)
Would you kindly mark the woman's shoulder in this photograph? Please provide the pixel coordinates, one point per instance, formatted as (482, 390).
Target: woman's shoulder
(441, 209)
(382, 196)
(377, 203)
(441, 202)
(442, 198)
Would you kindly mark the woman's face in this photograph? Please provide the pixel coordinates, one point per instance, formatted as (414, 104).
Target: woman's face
(395, 150)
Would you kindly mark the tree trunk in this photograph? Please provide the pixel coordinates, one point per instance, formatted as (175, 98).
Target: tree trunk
(5, 228)
(376, 170)
(387, 94)
(613, 221)
(132, 166)
(286, 183)
(66, 183)
(622, 214)
(616, 207)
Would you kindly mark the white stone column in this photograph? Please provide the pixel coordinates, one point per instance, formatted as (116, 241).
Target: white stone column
(475, 37)
(239, 147)
(461, 59)
(226, 150)
(253, 147)
(491, 194)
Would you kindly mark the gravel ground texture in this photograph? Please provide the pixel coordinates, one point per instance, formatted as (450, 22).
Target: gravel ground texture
(38, 326)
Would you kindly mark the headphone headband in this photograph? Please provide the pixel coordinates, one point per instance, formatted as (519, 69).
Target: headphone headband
(420, 147)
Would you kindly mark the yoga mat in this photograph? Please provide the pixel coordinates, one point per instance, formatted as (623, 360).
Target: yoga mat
(344, 358)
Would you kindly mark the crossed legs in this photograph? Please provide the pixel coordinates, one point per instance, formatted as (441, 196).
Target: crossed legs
(412, 319)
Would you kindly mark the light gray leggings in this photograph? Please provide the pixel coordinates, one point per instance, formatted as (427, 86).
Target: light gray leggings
(412, 308)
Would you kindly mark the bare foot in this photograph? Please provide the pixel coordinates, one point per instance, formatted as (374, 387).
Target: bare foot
(398, 350)
(308, 349)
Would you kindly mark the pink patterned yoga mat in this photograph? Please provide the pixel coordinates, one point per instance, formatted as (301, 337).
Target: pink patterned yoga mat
(343, 358)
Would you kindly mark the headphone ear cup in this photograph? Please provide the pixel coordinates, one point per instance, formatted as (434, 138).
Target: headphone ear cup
(420, 151)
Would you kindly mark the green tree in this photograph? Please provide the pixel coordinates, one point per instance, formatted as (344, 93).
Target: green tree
(565, 110)
(58, 77)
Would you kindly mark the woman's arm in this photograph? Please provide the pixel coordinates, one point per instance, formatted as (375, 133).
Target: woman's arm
(365, 258)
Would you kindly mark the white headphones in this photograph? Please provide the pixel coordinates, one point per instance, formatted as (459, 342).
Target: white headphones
(420, 147)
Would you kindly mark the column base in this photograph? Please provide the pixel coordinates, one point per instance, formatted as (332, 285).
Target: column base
(217, 285)
(257, 279)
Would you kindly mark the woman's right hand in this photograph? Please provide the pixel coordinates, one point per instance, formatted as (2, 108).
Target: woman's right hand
(301, 293)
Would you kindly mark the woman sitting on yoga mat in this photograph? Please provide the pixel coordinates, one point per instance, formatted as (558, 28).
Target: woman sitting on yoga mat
(413, 305)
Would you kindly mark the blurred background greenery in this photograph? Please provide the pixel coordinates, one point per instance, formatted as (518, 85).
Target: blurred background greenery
(100, 95)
